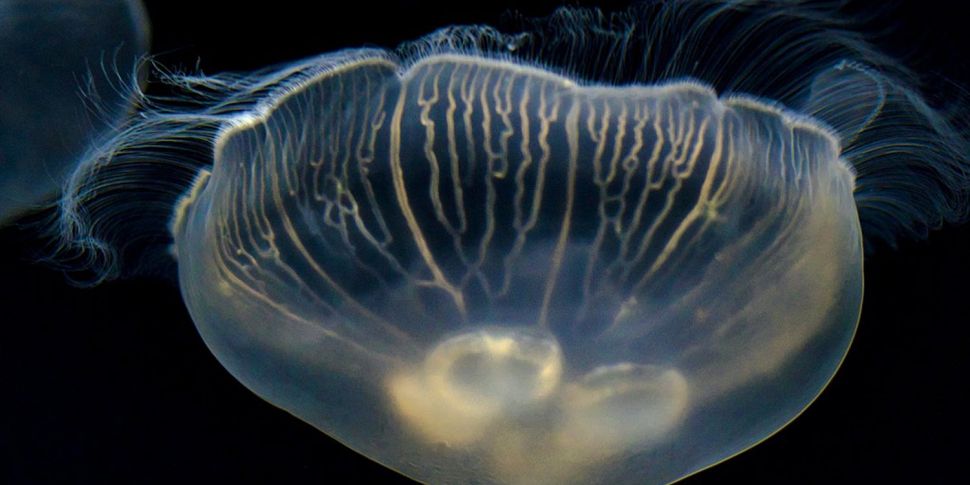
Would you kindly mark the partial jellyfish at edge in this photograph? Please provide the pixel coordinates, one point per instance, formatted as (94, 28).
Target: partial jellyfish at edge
(66, 65)
(532, 255)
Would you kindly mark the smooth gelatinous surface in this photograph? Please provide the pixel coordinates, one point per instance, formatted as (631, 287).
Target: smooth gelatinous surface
(60, 88)
(476, 270)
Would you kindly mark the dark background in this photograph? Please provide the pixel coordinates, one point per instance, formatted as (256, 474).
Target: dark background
(113, 385)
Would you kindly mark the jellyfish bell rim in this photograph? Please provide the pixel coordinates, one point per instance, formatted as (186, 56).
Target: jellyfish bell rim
(292, 80)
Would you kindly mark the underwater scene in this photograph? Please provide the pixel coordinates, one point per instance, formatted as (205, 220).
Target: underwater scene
(644, 242)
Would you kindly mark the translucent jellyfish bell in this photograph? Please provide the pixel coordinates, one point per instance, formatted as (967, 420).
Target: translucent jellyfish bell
(58, 88)
(484, 259)
(469, 265)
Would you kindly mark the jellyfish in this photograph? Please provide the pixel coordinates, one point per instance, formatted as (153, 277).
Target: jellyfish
(590, 248)
(62, 86)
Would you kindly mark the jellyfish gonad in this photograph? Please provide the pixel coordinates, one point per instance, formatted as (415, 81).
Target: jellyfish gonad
(584, 250)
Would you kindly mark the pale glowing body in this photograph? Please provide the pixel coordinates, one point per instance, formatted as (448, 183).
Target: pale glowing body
(488, 268)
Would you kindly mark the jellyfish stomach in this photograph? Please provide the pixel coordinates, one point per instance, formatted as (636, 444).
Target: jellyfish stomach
(501, 391)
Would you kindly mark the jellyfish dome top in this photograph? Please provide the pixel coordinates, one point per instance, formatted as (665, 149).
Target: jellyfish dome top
(596, 249)
(60, 88)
